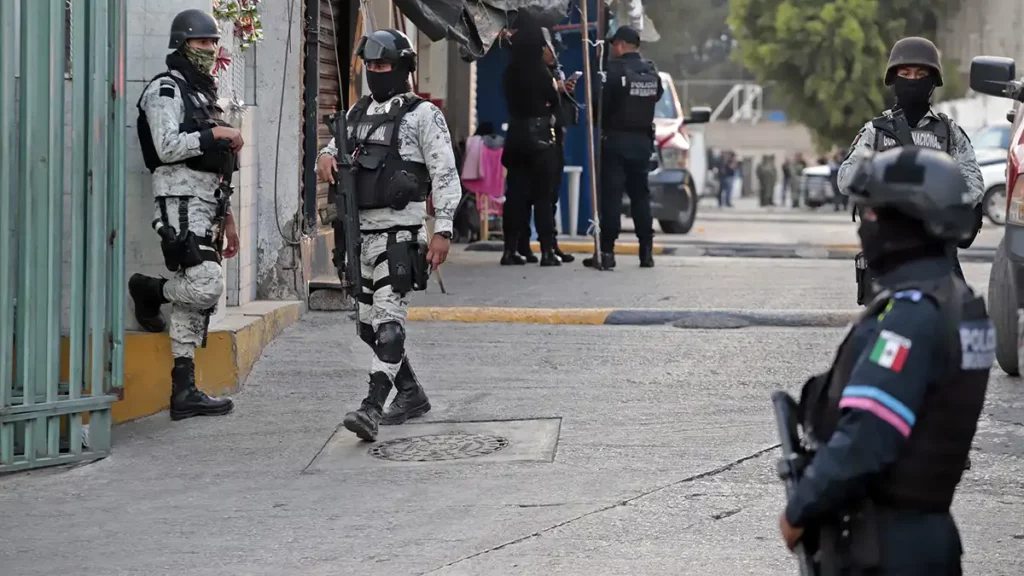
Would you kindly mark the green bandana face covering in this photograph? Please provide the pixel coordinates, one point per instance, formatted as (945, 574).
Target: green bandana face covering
(203, 60)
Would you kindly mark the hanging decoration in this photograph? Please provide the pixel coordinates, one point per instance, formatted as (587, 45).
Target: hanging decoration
(245, 16)
(222, 62)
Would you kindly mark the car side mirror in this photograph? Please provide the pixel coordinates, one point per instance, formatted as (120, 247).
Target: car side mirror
(1011, 115)
(698, 115)
(993, 75)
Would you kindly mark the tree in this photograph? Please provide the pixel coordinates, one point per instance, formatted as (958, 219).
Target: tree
(828, 57)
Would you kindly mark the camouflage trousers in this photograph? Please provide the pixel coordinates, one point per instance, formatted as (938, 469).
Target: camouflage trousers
(191, 293)
(380, 304)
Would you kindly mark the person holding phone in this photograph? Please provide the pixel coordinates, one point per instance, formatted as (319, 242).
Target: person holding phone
(566, 116)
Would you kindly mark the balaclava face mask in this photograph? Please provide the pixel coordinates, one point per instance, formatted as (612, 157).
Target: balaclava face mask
(894, 238)
(913, 95)
(203, 60)
(385, 85)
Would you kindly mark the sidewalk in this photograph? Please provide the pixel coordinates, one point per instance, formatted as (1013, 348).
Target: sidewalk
(660, 466)
(474, 279)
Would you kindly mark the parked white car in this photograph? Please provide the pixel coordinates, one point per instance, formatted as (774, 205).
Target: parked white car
(993, 173)
(816, 186)
(990, 148)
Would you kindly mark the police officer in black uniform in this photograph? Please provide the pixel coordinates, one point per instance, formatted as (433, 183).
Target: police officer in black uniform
(914, 72)
(891, 423)
(629, 93)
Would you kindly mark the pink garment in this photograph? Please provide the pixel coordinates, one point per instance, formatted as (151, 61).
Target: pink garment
(492, 175)
(471, 164)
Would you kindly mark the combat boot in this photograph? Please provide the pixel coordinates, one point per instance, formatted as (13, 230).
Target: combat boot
(510, 258)
(548, 258)
(148, 294)
(565, 258)
(187, 400)
(607, 261)
(647, 253)
(410, 401)
(363, 421)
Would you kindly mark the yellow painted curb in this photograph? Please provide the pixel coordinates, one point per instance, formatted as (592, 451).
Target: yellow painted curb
(221, 367)
(579, 247)
(579, 316)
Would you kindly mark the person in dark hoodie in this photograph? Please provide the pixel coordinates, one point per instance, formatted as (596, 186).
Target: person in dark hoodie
(530, 154)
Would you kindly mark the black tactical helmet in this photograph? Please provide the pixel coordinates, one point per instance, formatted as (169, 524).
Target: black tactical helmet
(920, 183)
(913, 51)
(390, 46)
(192, 24)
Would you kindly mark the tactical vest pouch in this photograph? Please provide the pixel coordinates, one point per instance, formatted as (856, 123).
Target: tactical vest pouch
(217, 160)
(407, 265)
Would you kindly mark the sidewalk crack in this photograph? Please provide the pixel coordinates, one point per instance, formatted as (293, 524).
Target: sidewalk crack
(707, 474)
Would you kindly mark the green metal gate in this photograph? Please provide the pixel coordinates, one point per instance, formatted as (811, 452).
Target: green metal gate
(61, 228)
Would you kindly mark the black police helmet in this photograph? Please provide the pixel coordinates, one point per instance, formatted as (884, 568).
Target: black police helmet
(192, 24)
(914, 51)
(920, 183)
(388, 46)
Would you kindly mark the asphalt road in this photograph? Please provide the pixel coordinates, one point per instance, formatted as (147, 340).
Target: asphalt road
(663, 463)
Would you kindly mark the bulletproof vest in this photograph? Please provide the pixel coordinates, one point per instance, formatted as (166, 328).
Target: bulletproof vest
(891, 132)
(382, 178)
(929, 469)
(201, 113)
(639, 87)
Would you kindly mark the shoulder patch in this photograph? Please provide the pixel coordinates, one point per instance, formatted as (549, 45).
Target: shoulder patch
(977, 344)
(890, 350)
(912, 295)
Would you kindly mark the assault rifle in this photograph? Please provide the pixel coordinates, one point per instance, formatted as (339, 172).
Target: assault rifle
(342, 212)
(223, 196)
(791, 465)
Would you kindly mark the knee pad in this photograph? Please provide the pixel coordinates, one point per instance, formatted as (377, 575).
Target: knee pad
(366, 334)
(390, 342)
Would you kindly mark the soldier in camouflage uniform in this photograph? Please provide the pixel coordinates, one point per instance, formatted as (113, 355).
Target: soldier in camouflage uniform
(191, 154)
(913, 73)
(402, 154)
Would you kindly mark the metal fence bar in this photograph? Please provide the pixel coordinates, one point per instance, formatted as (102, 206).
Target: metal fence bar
(55, 224)
(7, 220)
(99, 119)
(33, 133)
(97, 175)
(116, 157)
(79, 190)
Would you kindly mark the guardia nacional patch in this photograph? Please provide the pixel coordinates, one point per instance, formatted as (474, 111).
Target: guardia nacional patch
(977, 344)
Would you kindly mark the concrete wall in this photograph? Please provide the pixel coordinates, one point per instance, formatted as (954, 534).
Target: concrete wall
(278, 73)
(989, 27)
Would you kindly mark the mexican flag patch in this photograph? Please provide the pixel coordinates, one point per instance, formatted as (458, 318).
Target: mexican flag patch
(890, 351)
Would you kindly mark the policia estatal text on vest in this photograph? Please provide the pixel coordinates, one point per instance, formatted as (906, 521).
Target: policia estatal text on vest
(192, 154)
(401, 155)
(890, 425)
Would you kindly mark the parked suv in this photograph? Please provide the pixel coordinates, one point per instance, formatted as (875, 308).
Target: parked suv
(674, 191)
(996, 76)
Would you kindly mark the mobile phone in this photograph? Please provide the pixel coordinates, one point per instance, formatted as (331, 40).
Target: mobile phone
(576, 75)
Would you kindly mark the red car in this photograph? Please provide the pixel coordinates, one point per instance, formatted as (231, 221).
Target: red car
(997, 76)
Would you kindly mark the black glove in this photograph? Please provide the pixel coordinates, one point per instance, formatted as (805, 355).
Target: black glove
(978, 217)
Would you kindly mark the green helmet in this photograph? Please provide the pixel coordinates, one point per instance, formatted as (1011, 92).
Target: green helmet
(914, 51)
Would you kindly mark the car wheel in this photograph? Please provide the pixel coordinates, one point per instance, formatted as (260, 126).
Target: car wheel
(994, 204)
(687, 214)
(1002, 302)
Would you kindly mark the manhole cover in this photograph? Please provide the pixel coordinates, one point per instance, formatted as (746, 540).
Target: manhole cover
(434, 447)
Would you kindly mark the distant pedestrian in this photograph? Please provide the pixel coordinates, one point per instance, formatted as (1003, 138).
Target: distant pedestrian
(767, 174)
